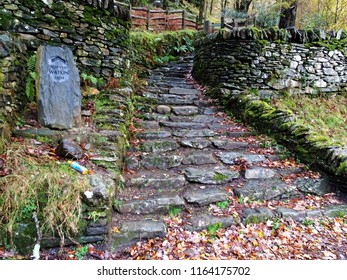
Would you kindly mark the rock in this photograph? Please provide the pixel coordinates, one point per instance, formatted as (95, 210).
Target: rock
(201, 222)
(320, 84)
(153, 134)
(163, 109)
(160, 161)
(291, 214)
(133, 231)
(183, 91)
(157, 204)
(185, 110)
(259, 173)
(266, 189)
(69, 149)
(199, 158)
(195, 143)
(257, 215)
(194, 133)
(100, 190)
(230, 145)
(205, 196)
(213, 176)
(231, 157)
(160, 180)
(335, 211)
(329, 72)
(58, 84)
(159, 146)
(149, 124)
(184, 125)
(313, 186)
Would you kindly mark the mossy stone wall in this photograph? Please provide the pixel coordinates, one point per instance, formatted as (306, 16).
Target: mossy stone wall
(273, 60)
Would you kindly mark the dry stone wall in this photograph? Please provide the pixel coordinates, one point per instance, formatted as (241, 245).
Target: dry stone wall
(272, 61)
(235, 63)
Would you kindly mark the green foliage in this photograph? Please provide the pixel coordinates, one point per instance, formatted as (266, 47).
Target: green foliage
(174, 211)
(219, 177)
(89, 79)
(81, 252)
(213, 228)
(152, 49)
(30, 90)
(223, 204)
(307, 222)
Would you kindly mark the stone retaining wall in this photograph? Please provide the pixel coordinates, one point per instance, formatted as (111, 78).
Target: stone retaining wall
(272, 60)
(234, 63)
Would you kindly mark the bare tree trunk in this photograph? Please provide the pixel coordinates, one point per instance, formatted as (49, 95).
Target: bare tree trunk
(242, 5)
(288, 15)
(201, 9)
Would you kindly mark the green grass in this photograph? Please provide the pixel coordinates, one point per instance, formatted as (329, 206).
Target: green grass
(326, 117)
(41, 185)
(174, 211)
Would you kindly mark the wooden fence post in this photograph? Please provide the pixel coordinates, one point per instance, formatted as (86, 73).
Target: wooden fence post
(148, 18)
(197, 22)
(207, 26)
(183, 19)
(222, 25)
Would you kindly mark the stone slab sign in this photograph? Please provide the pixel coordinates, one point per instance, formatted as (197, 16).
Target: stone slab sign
(58, 88)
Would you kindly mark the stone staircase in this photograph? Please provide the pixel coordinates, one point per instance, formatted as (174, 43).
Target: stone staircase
(190, 156)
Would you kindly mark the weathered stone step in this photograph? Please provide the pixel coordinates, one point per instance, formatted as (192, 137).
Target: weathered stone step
(167, 161)
(159, 179)
(213, 175)
(196, 118)
(155, 161)
(185, 110)
(233, 157)
(160, 204)
(195, 143)
(183, 125)
(205, 195)
(187, 133)
(263, 214)
(159, 146)
(131, 232)
(153, 134)
(199, 222)
(230, 145)
(267, 189)
(183, 91)
(174, 100)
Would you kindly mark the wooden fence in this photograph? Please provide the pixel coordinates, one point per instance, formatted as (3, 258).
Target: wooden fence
(230, 24)
(162, 20)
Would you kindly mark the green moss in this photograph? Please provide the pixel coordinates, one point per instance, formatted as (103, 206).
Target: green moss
(5, 20)
(342, 169)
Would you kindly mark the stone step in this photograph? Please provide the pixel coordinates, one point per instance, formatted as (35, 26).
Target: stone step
(195, 143)
(216, 175)
(229, 145)
(153, 134)
(187, 133)
(159, 180)
(185, 110)
(183, 91)
(130, 232)
(184, 125)
(233, 157)
(267, 189)
(159, 146)
(195, 118)
(205, 195)
(160, 204)
(171, 100)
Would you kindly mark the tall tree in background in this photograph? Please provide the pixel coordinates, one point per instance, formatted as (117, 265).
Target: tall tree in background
(202, 9)
(288, 14)
(242, 5)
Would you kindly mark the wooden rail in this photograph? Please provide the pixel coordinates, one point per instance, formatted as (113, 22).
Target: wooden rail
(161, 20)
